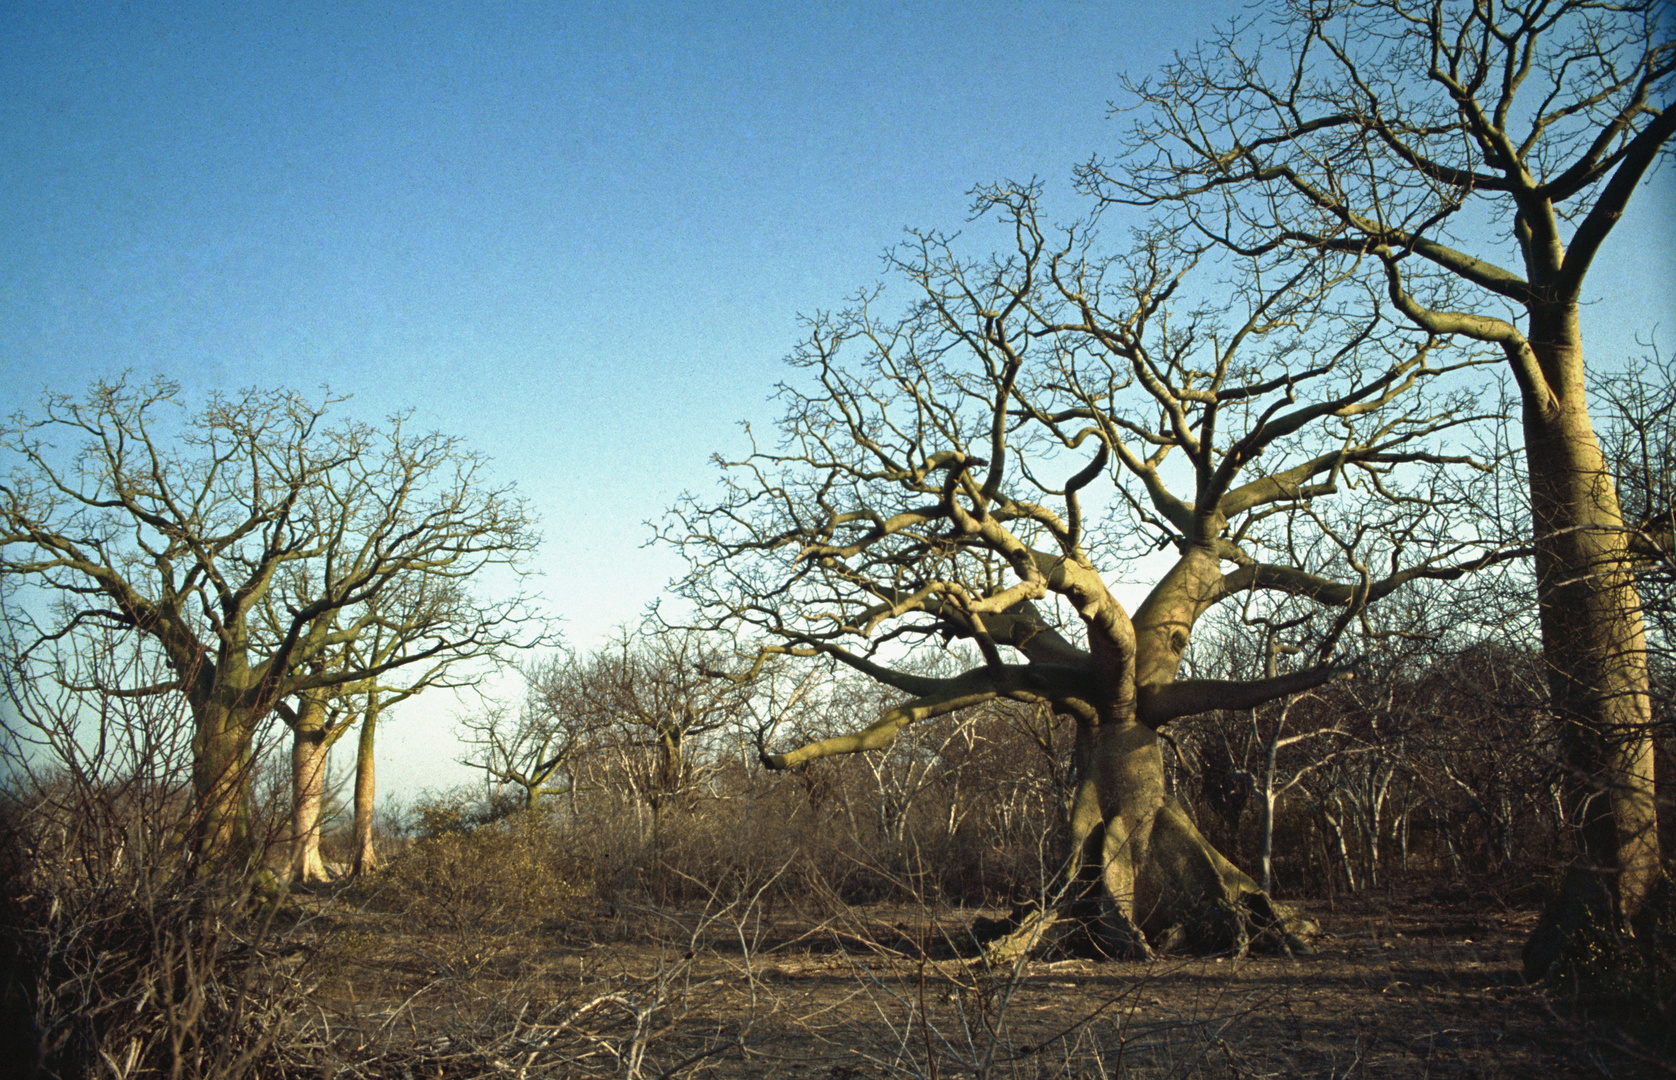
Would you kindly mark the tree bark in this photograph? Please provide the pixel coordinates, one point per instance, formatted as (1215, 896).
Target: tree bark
(1594, 643)
(221, 751)
(365, 859)
(309, 745)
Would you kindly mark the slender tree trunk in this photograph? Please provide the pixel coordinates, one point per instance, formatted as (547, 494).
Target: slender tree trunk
(365, 859)
(1372, 874)
(1271, 765)
(1267, 857)
(657, 883)
(1332, 825)
(1456, 859)
(1370, 816)
(1504, 830)
(1594, 645)
(309, 745)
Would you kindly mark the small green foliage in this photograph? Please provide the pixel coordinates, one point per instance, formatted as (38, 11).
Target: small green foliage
(459, 811)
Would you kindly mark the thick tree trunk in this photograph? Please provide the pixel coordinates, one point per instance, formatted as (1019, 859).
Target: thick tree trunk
(1141, 876)
(309, 745)
(1140, 870)
(1159, 873)
(221, 750)
(365, 859)
(1595, 648)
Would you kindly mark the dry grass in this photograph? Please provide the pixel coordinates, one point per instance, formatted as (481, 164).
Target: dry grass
(492, 953)
(720, 989)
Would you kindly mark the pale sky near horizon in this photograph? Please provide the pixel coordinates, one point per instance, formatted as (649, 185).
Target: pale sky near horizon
(578, 235)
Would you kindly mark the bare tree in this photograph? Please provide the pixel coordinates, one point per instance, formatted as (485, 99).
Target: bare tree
(250, 542)
(388, 644)
(908, 501)
(121, 960)
(1471, 159)
(404, 617)
(1274, 776)
(1639, 437)
(652, 698)
(1484, 754)
(641, 720)
(539, 742)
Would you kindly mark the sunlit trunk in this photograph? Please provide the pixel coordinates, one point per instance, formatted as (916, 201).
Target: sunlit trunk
(1266, 858)
(308, 786)
(1141, 876)
(1136, 855)
(365, 859)
(1593, 642)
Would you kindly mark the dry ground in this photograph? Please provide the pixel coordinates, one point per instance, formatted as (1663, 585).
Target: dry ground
(1402, 987)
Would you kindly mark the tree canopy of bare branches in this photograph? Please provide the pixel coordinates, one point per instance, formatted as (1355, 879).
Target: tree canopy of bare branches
(1470, 160)
(260, 547)
(980, 468)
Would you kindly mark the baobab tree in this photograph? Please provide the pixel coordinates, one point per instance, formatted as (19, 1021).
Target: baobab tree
(934, 480)
(1639, 439)
(317, 722)
(250, 542)
(1471, 160)
(404, 620)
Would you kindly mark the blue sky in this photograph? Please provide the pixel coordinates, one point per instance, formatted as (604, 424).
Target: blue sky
(577, 235)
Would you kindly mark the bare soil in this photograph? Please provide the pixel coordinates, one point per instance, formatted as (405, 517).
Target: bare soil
(1417, 986)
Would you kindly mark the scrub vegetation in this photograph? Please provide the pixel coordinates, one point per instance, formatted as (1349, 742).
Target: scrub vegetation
(1233, 645)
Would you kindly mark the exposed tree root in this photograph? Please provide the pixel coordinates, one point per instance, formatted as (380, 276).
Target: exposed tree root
(1161, 888)
(1253, 923)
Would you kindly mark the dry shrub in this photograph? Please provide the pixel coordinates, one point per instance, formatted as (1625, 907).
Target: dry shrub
(817, 842)
(125, 955)
(125, 962)
(472, 868)
(1630, 977)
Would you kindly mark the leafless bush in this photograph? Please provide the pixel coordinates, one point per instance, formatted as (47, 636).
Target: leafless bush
(474, 887)
(128, 957)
